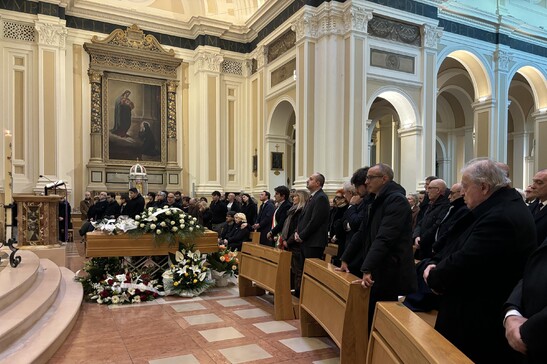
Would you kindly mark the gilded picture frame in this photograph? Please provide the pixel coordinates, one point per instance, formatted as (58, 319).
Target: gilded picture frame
(134, 119)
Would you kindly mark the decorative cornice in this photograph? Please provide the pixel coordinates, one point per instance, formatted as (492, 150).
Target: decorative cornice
(432, 35)
(208, 61)
(305, 27)
(51, 34)
(132, 50)
(133, 37)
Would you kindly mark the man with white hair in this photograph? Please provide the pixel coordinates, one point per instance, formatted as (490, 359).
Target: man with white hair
(481, 263)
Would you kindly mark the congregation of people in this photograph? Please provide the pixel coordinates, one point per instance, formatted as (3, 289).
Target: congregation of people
(475, 250)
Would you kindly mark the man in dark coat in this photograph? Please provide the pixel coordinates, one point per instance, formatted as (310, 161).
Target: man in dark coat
(218, 210)
(280, 214)
(112, 210)
(357, 222)
(135, 205)
(426, 229)
(526, 310)
(312, 230)
(263, 222)
(388, 267)
(477, 270)
(539, 192)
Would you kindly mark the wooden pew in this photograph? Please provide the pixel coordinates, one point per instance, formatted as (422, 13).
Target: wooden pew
(264, 268)
(255, 237)
(400, 336)
(330, 304)
(331, 250)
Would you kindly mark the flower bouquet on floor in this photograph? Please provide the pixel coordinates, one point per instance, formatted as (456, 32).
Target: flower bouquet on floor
(187, 275)
(168, 224)
(108, 282)
(224, 264)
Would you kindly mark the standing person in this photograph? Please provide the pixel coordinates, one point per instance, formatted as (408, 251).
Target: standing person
(476, 271)
(538, 191)
(218, 212)
(65, 219)
(281, 197)
(248, 207)
(112, 210)
(264, 219)
(312, 230)
(135, 205)
(299, 200)
(388, 266)
(337, 233)
(414, 203)
(232, 204)
(85, 204)
(424, 234)
(122, 114)
(424, 202)
(151, 197)
(526, 310)
(205, 215)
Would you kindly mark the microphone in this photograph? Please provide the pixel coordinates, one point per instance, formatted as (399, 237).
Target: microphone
(42, 176)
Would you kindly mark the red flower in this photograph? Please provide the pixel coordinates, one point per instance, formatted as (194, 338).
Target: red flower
(104, 294)
(110, 282)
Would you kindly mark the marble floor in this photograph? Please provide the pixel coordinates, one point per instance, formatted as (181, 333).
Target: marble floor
(216, 327)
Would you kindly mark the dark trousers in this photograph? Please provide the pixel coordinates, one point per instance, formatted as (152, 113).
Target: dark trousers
(377, 295)
(307, 253)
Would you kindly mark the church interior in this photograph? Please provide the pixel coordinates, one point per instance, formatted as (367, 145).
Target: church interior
(243, 96)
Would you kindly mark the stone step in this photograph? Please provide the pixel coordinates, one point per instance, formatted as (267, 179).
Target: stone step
(14, 282)
(22, 314)
(43, 339)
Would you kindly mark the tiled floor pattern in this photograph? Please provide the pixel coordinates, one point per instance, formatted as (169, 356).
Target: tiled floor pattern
(217, 327)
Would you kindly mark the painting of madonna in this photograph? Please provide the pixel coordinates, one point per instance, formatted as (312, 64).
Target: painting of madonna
(134, 121)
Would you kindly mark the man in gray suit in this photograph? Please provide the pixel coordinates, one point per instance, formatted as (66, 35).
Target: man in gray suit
(312, 230)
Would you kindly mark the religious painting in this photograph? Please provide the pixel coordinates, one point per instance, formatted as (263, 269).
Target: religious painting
(134, 119)
(277, 161)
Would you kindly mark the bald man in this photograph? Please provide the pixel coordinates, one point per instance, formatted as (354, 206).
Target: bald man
(424, 234)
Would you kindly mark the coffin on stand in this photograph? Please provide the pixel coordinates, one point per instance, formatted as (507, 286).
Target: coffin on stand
(100, 244)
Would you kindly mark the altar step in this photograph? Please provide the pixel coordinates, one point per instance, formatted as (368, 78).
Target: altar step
(39, 303)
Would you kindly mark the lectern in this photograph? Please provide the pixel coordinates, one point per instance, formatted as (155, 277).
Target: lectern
(37, 219)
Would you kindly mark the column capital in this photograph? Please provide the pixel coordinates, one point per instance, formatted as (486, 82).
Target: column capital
(51, 34)
(208, 60)
(540, 115)
(306, 26)
(356, 19)
(502, 59)
(432, 35)
(260, 54)
(483, 103)
(410, 131)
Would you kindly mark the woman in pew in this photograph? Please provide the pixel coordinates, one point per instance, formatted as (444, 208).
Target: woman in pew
(239, 233)
(248, 207)
(286, 241)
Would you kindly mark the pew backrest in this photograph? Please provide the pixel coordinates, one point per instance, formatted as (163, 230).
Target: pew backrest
(400, 336)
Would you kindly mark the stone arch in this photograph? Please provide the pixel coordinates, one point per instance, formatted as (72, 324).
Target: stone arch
(404, 135)
(475, 65)
(537, 81)
(280, 138)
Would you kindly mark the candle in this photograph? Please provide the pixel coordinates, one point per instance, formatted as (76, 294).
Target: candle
(7, 181)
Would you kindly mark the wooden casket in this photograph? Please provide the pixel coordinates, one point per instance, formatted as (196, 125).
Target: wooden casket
(100, 244)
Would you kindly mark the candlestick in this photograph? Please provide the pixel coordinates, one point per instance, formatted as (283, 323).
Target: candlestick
(7, 181)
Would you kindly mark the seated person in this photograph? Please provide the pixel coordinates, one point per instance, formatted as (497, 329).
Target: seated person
(240, 232)
(227, 227)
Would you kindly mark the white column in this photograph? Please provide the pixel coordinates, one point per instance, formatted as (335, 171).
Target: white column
(206, 132)
(54, 160)
(498, 130)
(410, 176)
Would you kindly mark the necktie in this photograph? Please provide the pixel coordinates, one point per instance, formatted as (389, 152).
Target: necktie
(539, 207)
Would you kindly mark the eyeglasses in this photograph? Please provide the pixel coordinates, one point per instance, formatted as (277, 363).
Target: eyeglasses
(372, 177)
(454, 192)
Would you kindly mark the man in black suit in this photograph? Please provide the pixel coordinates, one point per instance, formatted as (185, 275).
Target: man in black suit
(281, 197)
(526, 310)
(388, 266)
(312, 229)
(264, 218)
(538, 191)
(482, 261)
